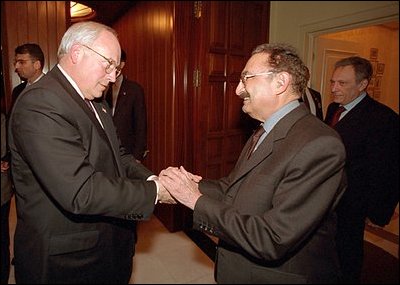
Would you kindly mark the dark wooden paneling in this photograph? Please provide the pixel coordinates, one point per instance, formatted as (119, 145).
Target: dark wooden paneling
(200, 127)
(155, 35)
(41, 22)
(225, 36)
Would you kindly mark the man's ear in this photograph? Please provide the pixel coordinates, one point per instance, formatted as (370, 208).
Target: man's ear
(363, 84)
(37, 65)
(76, 53)
(282, 80)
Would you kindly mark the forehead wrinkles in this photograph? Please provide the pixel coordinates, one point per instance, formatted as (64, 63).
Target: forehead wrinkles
(108, 45)
(257, 63)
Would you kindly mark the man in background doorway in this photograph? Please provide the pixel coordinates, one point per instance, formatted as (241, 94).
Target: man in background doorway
(126, 98)
(370, 133)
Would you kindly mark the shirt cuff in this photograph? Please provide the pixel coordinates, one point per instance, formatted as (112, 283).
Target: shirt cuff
(154, 178)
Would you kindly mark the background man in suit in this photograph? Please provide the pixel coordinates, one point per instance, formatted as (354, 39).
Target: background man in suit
(274, 213)
(370, 133)
(312, 99)
(126, 98)
(29, 64)
(78, 194)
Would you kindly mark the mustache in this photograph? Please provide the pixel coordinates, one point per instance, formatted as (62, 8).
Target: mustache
(244, 94)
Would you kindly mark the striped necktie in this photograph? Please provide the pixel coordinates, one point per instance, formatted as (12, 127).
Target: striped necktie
(336, 116)
(254, 139)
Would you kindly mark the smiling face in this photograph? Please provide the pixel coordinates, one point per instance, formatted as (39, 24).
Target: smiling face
(258, 92)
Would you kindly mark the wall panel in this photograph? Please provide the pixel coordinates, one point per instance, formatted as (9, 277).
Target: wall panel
(41, 22)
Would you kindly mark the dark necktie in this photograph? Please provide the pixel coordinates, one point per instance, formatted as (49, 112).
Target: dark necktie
(254, 139)
(89, 105)
(336, 116)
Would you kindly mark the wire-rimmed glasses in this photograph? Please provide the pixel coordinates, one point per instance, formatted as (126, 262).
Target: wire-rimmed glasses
(245, 77)
(111, 64)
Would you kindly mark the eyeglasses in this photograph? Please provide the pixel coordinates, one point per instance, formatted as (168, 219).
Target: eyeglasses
(111, 65)
(245, 77)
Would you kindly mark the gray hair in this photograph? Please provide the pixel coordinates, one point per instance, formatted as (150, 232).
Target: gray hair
(284, 57)
(362, 67)
(82, 33)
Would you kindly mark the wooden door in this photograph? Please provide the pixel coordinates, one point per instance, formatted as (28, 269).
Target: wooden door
(225, 34)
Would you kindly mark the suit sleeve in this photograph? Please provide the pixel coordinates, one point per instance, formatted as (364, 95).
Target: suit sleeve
(301, 197)
(67, 160)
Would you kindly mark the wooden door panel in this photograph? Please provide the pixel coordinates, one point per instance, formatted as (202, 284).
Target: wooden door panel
(216, 24)
(226, 33)
(236, 29)
(216, 64)
(214, 116)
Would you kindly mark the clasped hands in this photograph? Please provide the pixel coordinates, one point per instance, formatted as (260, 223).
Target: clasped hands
(177, 184)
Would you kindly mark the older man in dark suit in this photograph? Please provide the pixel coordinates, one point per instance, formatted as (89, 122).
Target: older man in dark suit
(78, 194)
(370, 133)
(274, 214)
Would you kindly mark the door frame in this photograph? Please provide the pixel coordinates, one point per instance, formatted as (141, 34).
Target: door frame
(343, 23)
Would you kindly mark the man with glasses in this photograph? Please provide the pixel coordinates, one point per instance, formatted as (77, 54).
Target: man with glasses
(78, 194)
(274, 214)
(29, 64)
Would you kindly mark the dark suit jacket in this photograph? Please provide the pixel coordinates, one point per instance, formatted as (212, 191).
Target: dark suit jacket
(76, 206)
(316, 101)
(16, 91)
(274, 213)
(130, 118)
(370, 132)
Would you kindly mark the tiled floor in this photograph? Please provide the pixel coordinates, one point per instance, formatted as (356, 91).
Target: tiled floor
(173, 258)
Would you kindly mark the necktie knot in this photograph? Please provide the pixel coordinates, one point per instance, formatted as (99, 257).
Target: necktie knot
(336, 115)
(254, 139)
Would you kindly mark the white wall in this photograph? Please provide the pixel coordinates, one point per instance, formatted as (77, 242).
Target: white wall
(292, 22)
(299, 23)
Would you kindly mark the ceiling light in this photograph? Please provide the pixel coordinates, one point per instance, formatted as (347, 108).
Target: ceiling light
(81, 12)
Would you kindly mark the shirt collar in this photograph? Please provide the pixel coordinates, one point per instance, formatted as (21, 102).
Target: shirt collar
(353, 103)
(275, 117)
(71, 81)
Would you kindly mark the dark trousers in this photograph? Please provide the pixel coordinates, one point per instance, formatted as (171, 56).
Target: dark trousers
(350, 247)
(5, 243)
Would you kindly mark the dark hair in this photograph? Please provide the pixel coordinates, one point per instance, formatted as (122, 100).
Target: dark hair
(34, 51)
(283, 57)
(362, 67)
(123, 56)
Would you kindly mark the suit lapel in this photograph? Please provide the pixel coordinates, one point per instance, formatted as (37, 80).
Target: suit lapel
(353, 115)
(104, 116)
(264, 150)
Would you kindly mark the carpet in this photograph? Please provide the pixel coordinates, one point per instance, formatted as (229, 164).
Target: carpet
(380, 267)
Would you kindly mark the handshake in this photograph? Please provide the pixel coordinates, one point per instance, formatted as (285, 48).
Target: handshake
(177, 184)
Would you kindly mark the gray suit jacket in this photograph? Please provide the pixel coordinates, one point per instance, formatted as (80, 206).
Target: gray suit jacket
(274, 214)
(77, 194)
